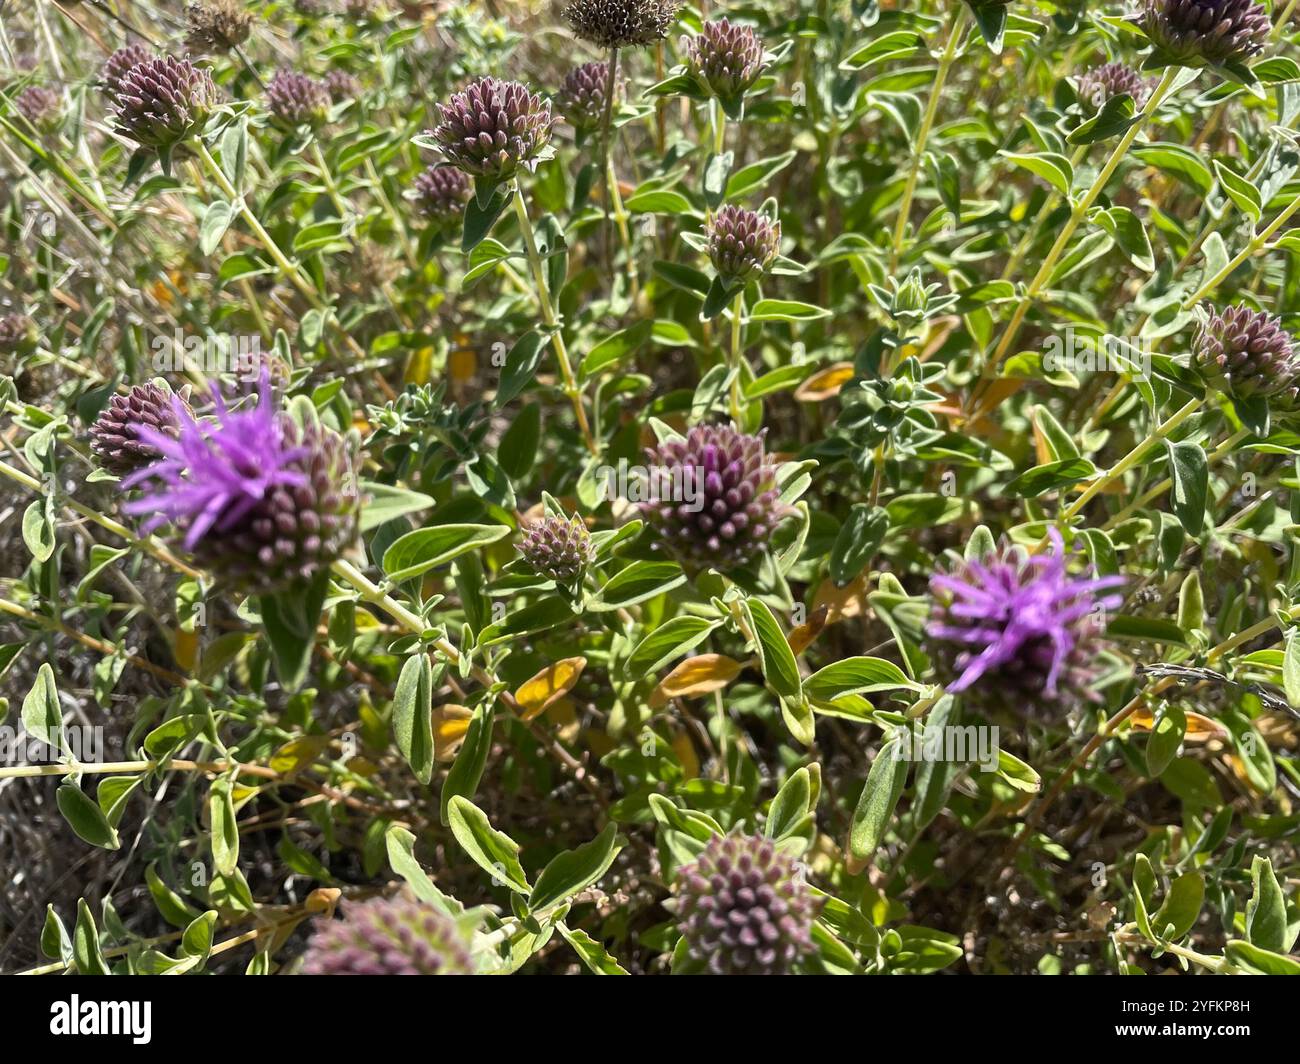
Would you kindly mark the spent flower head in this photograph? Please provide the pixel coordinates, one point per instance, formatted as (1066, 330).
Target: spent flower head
(216, 25)
(622, 23)
(18, 335)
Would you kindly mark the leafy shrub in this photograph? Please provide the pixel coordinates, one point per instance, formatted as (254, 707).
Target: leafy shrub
(622, 487)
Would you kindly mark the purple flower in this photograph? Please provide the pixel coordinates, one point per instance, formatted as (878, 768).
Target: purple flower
(389, 936)
(257, 497)
(1018, 625)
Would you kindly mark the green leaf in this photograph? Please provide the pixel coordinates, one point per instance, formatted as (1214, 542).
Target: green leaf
(855, 676)
(86, 953)
(614, 349)
(548, 613)
(467, 770)
(875, 807)
(789, 811)
(518, 448)
(85, 817)
(1242, 193)
(225, 829)
(480, 218)
(658, 201)
(494, 852)
(1262, 961)
(786, 310)
(426, 548)
(1191, 477)
(1166, 737)
(574, 870)
(1180, 162)
(638, 582)
(216, 220)
(197, 939)
(412, 715)
(1182, 905)
(593, 954)
(756, 175)
(400, 846)
(672, 638)
(290, 619)
(170, 904)
(1052, 168)
(1291, 667)
(858, 541)
(779, 666)
(1266, 910)
(1050, 476)
(42, 715)
(38, 530)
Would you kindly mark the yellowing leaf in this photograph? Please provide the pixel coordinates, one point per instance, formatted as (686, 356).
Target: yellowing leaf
(450, 723)
(1198, 727)
(801, 638)
(461, 365)
(185, 649)
(825, 384)
(841, 603)
(549, 685)
(685, 751)
(700, 675)
(296, 755)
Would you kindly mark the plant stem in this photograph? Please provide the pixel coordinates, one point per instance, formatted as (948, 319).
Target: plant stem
(923, 134)
(551, 321)
(1128, 461)
(606, 166)
(737, 344)
(1077, 215)
(1154, 493)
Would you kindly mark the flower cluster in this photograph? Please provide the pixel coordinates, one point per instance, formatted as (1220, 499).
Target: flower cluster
(297, 100)
(1248, 354)
(743, 244)
(558, 548)
(388, 936)
(492, 129)
(115, 436)
(744, 908)
(39, 105)
(582, 96)
(1101, 83)
(441, 193)
(1016, 630)
(117, 64)
(723, 502)
(160, 102)
(726, 56)
(1197, 32)
(261, 500)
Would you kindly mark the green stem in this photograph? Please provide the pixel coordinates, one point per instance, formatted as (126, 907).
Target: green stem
(734, 359)
(551, 321)
(1131, 459)
(1063, 239)
(923, 134)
